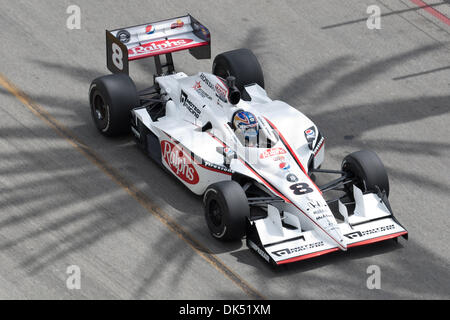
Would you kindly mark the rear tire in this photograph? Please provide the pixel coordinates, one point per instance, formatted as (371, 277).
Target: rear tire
(241, 64)
(368, 170)
(226, 210)
(111, 99)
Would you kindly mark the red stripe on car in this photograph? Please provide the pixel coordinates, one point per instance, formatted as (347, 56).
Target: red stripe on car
(307, 256)
(389, 236)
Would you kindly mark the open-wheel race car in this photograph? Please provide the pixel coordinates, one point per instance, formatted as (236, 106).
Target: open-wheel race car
(252, 158)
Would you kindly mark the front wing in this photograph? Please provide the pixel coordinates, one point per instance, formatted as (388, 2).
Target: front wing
(309, 244)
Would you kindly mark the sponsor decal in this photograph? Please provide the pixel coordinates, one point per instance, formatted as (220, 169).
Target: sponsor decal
(359, 234)
(206, 81)
(313, 204)
(123, 36)
(158, 46)
(189, 105)
(216, 167)
(323, 215)
(204, 32)
(221, 92)
(318, 146)
(259, 251)
(354, 234)
(197, 85)
(288, 251)
(198, 88)
(291, 177)
(272, 152)
(202, 29)
(150, 29)
(319, 211)
(317, 207)
(284, 166)
(310, 135)
(179, 162)
(177, 24)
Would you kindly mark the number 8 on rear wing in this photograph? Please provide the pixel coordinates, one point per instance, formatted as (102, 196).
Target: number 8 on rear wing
(155, 39)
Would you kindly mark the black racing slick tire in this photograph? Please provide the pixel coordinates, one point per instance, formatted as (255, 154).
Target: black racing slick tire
(111, 99)
(226, 210)
(241, 64)
(367, 171)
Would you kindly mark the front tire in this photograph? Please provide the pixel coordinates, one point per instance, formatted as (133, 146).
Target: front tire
(226, 210)
(367, 170)
(111, 99)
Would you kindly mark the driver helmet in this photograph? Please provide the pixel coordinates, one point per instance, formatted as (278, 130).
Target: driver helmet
(247, 125)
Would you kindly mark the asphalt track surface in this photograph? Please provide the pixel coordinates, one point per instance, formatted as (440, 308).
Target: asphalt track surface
(69, 196)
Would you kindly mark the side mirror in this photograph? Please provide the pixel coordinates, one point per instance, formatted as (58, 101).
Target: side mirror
(228, 155)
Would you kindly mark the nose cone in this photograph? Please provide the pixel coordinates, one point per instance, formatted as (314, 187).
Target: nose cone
(335, 233)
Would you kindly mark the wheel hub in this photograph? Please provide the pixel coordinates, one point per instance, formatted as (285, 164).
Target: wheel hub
(215, 213)
(99, 107)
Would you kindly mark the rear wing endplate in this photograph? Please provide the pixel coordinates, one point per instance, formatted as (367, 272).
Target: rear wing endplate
(155, 39)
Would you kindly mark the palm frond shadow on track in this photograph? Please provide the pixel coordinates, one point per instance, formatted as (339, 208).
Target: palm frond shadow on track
(383, 15)
(98, 222)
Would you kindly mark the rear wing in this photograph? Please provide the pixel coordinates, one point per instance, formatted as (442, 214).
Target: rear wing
(154, 39)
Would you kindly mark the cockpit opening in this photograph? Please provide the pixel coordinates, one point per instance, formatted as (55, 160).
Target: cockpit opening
(250, 132)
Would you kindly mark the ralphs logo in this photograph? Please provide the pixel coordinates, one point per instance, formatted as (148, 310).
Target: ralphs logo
(272, 152)
(178, 162)
(157, 46)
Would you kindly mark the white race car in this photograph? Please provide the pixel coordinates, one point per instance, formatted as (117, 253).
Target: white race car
(252, 158)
